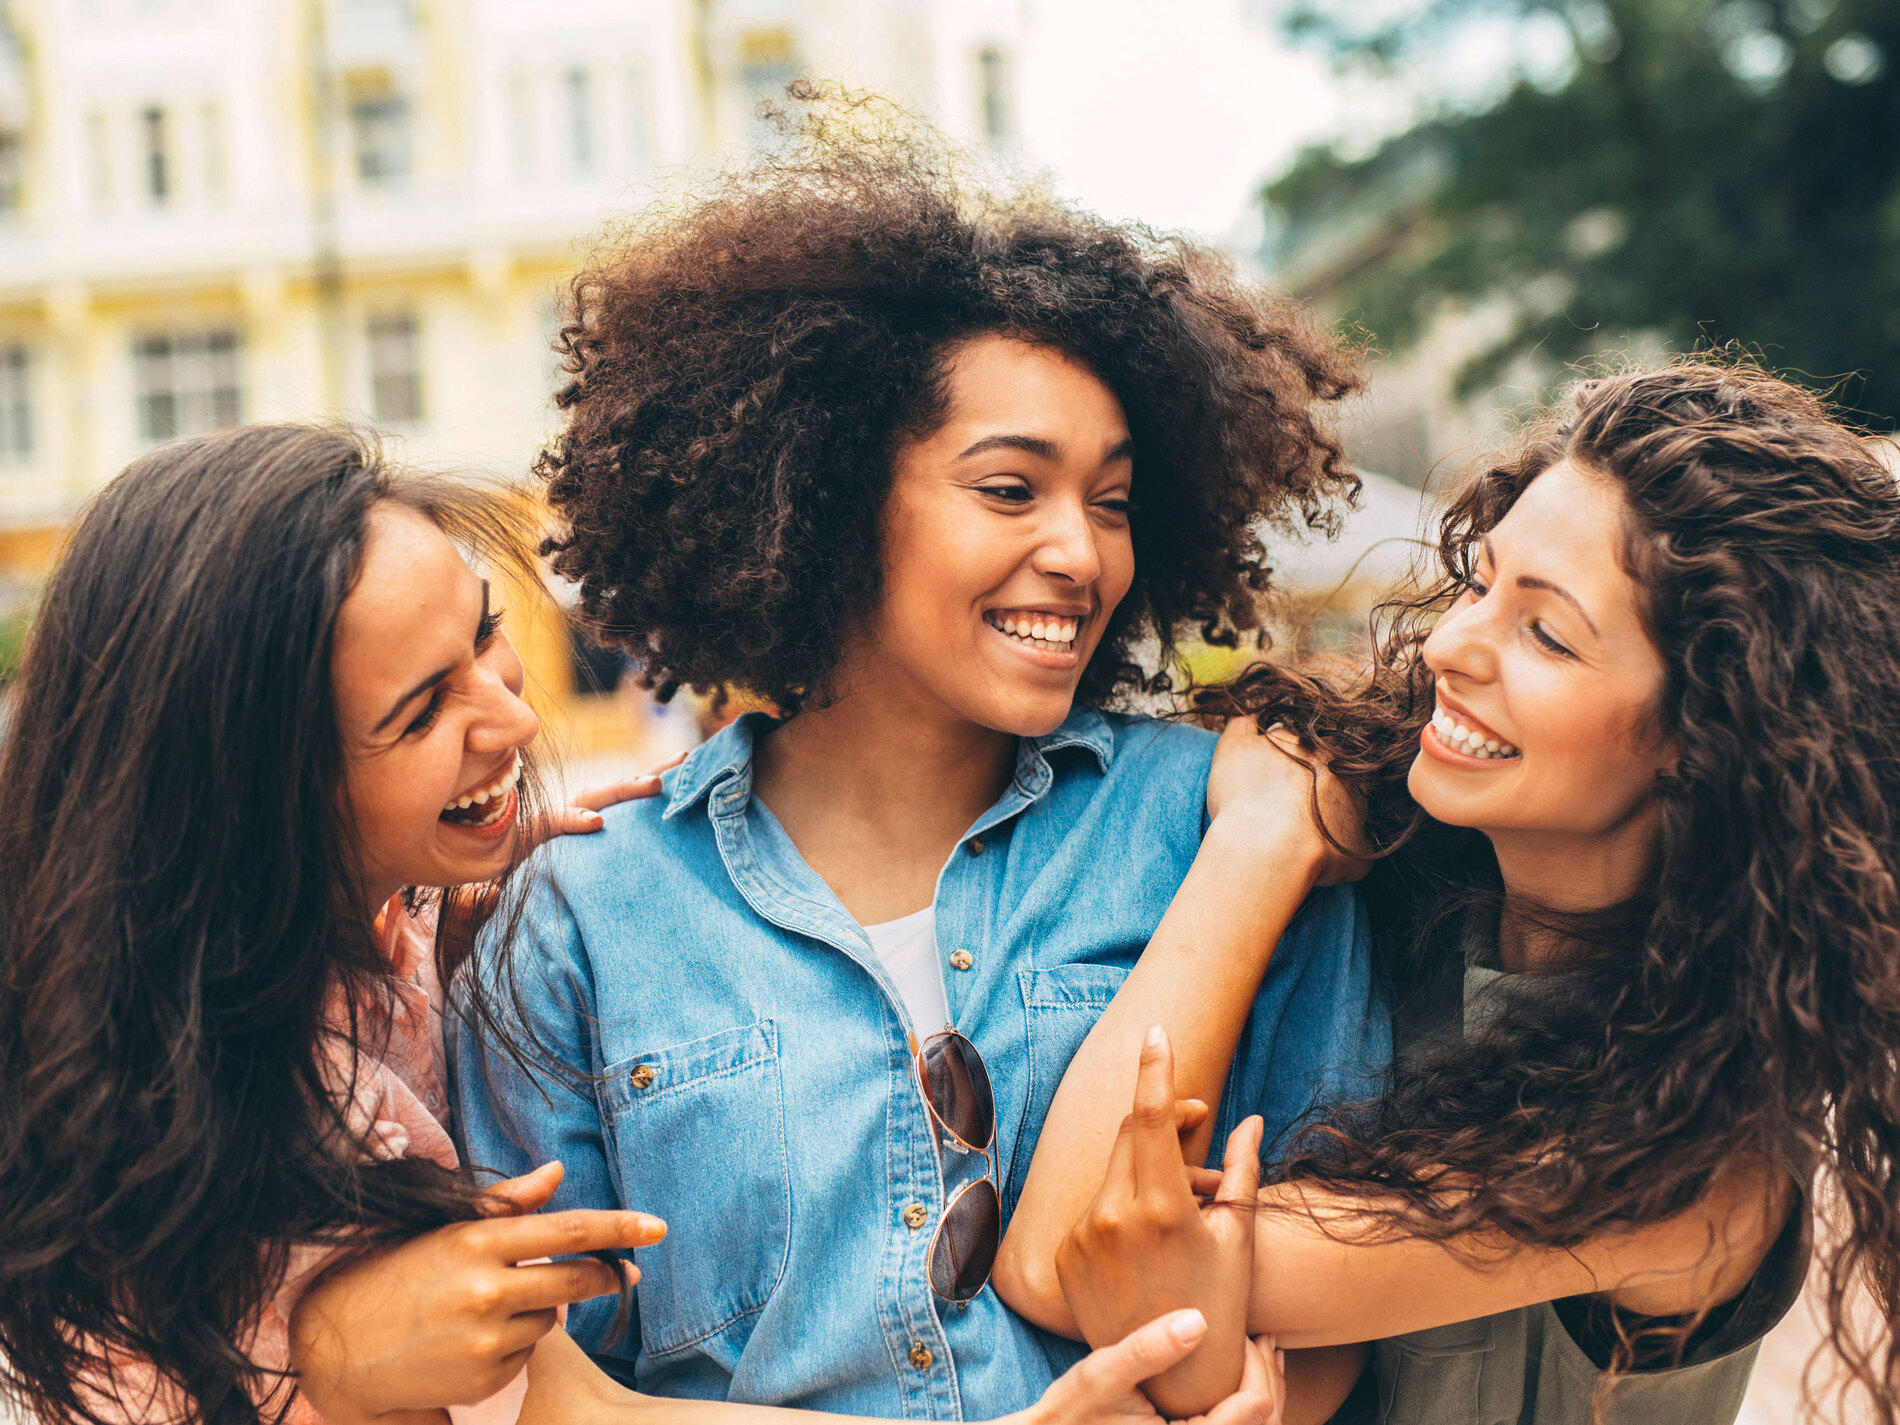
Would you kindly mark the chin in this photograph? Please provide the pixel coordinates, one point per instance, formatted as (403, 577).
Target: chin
(1422, 781)
(1026, 717)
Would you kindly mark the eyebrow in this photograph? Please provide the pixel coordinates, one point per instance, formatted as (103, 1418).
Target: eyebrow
(1043, 449)
(1029, 444)
(429, 682)
(1531, 581)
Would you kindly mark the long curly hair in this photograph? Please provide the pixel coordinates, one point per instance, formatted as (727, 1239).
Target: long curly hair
(1748, 1003)
(179, 881)
(744, 364)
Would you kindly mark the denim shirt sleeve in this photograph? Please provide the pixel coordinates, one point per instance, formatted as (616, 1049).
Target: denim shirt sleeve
(1319, 1033)
(512, 1122)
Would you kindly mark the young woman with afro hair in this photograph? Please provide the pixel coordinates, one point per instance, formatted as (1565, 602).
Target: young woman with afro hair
(943, 477)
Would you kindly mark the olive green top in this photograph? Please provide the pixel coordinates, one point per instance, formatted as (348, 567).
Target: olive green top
(1542, 1365)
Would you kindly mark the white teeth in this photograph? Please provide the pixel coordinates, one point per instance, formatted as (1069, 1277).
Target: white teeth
(496, 791)
(1055, 632)
(1460, 738)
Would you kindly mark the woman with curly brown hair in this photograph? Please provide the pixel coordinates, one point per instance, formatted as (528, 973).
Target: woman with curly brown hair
(1630, 772)
(923, 469)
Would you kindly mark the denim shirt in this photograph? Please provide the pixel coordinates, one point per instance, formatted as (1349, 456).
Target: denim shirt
(751, 1074)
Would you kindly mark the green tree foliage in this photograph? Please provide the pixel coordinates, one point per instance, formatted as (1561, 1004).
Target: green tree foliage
(1694, 170)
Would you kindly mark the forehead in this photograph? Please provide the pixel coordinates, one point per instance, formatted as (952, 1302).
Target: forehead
(1568, 529)
(999, 381)
(1568, 526)
(410, 610)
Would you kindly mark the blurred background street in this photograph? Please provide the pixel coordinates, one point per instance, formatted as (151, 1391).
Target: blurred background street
(214, 211)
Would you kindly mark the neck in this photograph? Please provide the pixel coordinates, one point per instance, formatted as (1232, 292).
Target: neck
(1570, 875)
(876, 788)
(869, 757)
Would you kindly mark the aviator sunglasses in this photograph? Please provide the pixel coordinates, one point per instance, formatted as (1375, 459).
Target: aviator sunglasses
(957, 1092)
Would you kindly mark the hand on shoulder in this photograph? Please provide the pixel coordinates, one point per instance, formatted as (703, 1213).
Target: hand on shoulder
(1277, 796)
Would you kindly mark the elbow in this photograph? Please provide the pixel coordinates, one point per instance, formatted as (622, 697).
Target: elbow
(1025, 1281)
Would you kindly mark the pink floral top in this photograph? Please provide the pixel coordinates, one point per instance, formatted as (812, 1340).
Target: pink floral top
(396, 1107)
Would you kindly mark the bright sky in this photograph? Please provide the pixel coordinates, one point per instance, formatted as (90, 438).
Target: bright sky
(1173, 111)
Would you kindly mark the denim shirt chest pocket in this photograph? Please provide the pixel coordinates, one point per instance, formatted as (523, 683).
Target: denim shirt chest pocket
(709, 1116)
(1060, 1007)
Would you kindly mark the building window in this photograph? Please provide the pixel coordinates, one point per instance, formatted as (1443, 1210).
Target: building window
(153, 128)
(994, 110)
(521, 135)
(639, 127)
(16, 404)
(380, 128)
(395, 370)
(99, 159)
(211, 148)
(187, 382)
(768, 62)
(12, 170)
(578, 85)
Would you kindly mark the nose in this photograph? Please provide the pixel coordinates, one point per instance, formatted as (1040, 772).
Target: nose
(503, 719)
(1068, 549)
(1464, 642)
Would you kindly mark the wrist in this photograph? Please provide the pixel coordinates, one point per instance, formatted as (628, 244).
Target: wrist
(1256, 839)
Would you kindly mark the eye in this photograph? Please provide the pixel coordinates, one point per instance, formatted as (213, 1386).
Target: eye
(1015, 493)
(1120, 505)
(1538, 632)
(426, 719)
(486, 630)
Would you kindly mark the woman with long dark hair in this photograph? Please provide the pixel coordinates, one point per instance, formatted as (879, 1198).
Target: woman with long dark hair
(262, 695)
(267, 707)
(1629, 771)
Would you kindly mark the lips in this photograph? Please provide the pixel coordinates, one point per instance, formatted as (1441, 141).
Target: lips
(484, 805)
(1456, 730)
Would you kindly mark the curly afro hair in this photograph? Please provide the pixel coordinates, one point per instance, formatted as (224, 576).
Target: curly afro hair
(744, 364)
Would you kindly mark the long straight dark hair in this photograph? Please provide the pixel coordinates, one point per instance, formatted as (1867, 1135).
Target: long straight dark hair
(178, 906)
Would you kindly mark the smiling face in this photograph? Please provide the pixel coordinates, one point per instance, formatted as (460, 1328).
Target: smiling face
(428, 699)
(1548, 685)
(1006, 543)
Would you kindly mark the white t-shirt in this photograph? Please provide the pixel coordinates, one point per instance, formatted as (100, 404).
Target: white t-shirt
(908, 950)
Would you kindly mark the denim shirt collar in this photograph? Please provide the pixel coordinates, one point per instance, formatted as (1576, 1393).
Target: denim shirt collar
(721, 767)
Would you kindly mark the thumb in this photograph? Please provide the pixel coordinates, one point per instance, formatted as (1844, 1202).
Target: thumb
(517, 1197)
(1240, 1168)
(1143, 1353)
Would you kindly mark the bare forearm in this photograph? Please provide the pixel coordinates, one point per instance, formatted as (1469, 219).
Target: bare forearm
(1197, 978)
(565, 1388)
(1315, 1288)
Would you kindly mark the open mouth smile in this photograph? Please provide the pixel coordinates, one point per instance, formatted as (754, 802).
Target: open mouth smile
(1462, 734)
(1053, 633)
(485, 806)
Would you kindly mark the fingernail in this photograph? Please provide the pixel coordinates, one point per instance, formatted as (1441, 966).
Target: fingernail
(594, 819)
(651, 1225)
(1279, 1361)
(1155, 1035)
(1187, 1326)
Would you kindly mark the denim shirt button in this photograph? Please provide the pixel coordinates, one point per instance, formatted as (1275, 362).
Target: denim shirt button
(916, 1215)
(642, 1076)
(974, 846)
(920, 1356)
(962, 959)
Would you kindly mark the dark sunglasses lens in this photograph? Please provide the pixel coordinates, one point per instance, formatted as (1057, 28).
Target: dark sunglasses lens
(965, 1247)
(959, 1088)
